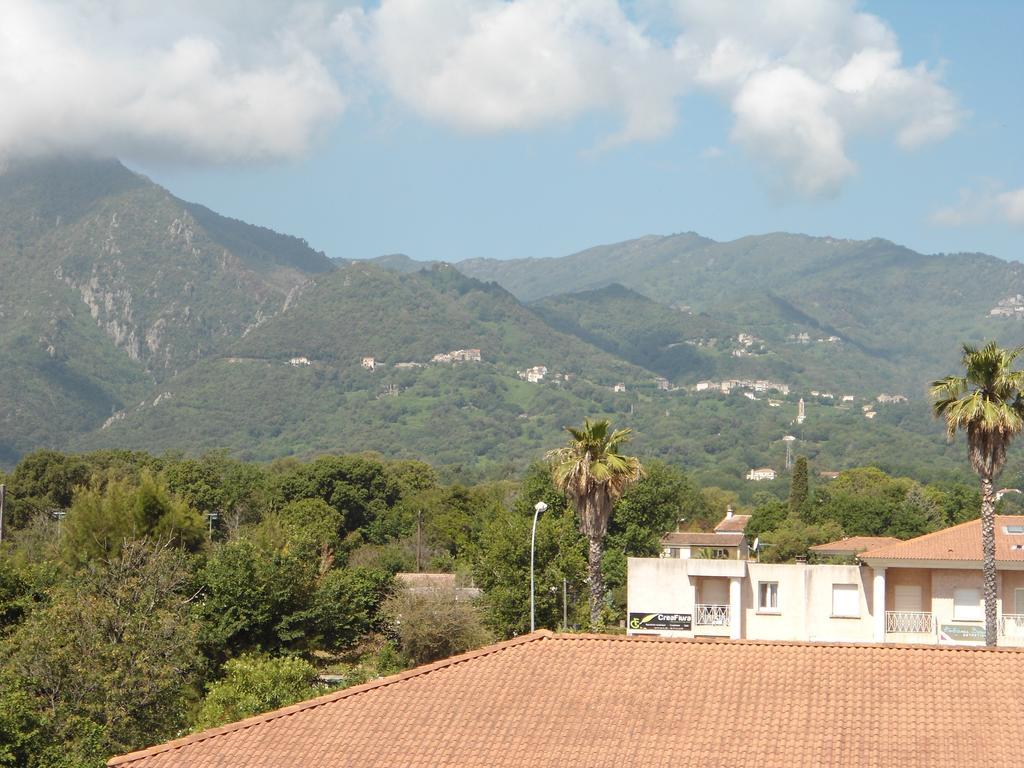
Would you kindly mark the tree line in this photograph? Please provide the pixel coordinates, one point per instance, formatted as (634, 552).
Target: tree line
(145, 596)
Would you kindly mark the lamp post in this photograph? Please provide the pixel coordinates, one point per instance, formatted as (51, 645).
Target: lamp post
(539, 507)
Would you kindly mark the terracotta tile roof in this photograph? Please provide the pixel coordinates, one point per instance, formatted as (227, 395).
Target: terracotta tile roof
(961, 542)
(427, 580)
(598, 700)
(854, 545)
(702, 539)
(734, 524)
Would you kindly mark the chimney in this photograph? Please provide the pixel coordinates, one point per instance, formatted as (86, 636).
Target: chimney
(728, 511)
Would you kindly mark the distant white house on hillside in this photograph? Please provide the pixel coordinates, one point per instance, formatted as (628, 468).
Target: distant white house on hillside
(884, 398)
(297, 361)
(762, 473)
(369, 363)
(457, 356)
(535, 374)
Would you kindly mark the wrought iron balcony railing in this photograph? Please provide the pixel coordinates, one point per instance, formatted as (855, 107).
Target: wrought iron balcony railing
(909, 621)
(711, 615)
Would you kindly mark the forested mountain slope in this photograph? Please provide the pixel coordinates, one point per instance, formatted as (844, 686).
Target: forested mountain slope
(110, 283)
(897, 306)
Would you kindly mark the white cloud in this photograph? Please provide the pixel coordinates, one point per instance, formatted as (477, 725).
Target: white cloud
(236, 80)
(804, 76)
(983, 204)
(800, 76)
(181, 81)
(491, 65)
(1011, 205)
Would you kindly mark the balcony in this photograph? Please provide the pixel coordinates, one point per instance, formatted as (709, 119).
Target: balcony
(708, 615)
(1012, 625)
(909, 622)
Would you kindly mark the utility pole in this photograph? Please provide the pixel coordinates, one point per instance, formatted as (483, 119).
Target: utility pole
(565, 609)
(3, 498)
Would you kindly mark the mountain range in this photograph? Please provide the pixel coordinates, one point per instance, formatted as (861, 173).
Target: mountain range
(132, 319)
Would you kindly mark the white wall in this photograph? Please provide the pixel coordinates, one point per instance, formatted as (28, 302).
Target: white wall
(658, 585)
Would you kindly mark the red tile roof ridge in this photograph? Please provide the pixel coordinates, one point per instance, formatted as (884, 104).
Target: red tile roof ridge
(941, 532)
(783, 643)
(329, 698)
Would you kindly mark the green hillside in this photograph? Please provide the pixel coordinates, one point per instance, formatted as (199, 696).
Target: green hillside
(110, 283)
(296, 384)
(685, 346)
(906, 311)
(130, 318)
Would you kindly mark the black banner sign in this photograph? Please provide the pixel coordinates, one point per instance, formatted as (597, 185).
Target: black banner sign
(661, 621)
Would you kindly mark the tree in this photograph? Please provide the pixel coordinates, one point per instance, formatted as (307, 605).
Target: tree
(347, 603)
(434, 624)
(798, 489)
(253, 684)
(103, 516)
(985, 403)
(255, 599)
(594, 475)
(111, 660)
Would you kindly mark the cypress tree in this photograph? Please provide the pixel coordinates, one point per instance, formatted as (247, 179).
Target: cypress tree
(798, 486)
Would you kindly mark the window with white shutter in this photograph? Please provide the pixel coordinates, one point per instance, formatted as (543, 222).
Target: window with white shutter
(845, 600)
(967, 604)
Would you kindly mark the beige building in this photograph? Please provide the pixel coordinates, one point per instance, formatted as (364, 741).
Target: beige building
(922, 591)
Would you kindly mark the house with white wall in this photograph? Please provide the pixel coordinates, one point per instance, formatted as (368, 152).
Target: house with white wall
(925, 590)
(930, 587)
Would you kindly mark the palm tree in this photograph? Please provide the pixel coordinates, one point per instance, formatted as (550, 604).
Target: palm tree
(986, 403)
(593, 474)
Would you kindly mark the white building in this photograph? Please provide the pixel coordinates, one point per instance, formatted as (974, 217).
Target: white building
(762, 473)
(297, 361)
(535, 374)
(926, 590)
(369, 363)
(887, 399)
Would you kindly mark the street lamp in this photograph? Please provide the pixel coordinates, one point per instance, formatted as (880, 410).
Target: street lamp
(539, 507)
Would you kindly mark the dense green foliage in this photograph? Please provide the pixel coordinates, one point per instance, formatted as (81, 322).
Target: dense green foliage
(254, 684)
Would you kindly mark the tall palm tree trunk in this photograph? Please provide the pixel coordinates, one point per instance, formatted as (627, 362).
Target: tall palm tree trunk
(988, 558)
(595, 578)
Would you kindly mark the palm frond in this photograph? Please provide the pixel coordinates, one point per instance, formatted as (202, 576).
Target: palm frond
(986, 403)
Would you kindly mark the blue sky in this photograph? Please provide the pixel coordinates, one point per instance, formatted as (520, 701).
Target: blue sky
(626, 120)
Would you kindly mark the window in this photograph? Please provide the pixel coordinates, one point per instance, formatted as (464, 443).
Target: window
(907, 597)
(846, 600)
(1014, 529)
(967, 605)
(1018, 600)
(768, 596)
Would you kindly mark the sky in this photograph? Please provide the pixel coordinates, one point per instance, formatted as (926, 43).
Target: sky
(453, 129)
